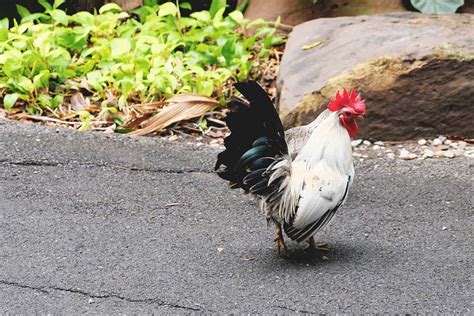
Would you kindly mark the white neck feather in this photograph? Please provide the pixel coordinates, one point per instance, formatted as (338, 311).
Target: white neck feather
(329, 142)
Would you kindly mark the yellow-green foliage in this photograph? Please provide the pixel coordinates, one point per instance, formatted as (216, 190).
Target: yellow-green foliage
(153, 54)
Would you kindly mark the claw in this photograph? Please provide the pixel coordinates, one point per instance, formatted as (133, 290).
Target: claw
(320, 246)
(280, 242)
(281, 247)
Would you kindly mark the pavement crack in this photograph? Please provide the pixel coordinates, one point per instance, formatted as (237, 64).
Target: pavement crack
(302, 311)
(23, 286)
(170, 171)
(30, 163)
(127, 299)
(156, 301)
(33, 163)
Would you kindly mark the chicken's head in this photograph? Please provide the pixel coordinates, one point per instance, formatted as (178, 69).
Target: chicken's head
(348, 106)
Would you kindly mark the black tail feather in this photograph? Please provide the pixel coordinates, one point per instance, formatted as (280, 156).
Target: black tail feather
(261, 163)
(254, 93)
(257, 139)
(253, 177)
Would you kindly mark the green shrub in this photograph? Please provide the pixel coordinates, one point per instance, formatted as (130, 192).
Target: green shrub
(118, 59)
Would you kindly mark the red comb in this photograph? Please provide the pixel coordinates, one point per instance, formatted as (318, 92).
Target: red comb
(347, 100)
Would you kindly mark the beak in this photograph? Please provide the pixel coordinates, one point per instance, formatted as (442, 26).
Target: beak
(354, 113)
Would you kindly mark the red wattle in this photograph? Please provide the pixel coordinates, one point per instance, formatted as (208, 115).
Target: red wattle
(351, 126)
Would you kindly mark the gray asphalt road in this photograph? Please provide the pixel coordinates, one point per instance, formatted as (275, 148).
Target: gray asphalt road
(94, 223)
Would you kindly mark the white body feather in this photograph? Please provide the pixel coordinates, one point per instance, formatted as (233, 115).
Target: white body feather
(319, 174)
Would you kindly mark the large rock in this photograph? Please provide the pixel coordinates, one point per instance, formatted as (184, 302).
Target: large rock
(296, 12)
(415, 71)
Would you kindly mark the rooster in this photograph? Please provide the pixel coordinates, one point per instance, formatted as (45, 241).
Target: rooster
(301, 178)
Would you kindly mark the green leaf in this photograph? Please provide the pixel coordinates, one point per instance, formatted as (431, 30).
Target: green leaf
(123, 130)
(86, 118)
(237, 16)
(118, 120)
(277, 40)
(243, 5)
(57, 3)
(264, 31)
(23, 27)
(257, 22)
(25, 84)
(60, 17)
(59, 57)
(22, 11)
(83, 18)
(119, 47)
(150, 3)
(41, 79)
(218, 17)
(168, 8)
(87, 67)
(45, 100)
(45, 4)
(203, 124)
(228, 51)
(267, 42)
(3, 35)
(9, 100)
(202, 16)
(185, 5)
(57, 101)
(12, 68)
(110, 7)
(69, 39)
(216, 5)
(205, 87)
(35, 17)
(437, 6)
(4, 24)
(94, 79)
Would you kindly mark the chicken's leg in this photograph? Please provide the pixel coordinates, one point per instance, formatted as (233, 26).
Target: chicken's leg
(312, 244)
(280, 242)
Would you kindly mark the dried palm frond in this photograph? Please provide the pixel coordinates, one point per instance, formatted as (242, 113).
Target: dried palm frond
(181, 107)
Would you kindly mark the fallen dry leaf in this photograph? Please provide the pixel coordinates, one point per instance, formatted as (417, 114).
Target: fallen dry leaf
(111, 98)
(148, 107)
(135, 122)
(180, 108)
(313, 45)
(78, 102)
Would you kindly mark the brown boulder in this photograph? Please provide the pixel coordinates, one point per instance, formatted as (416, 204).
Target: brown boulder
(296, 12)
(468, 7)
(415, 71)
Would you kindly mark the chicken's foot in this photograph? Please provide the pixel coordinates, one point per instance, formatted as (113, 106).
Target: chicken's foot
(321, 246)
(280, 242)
